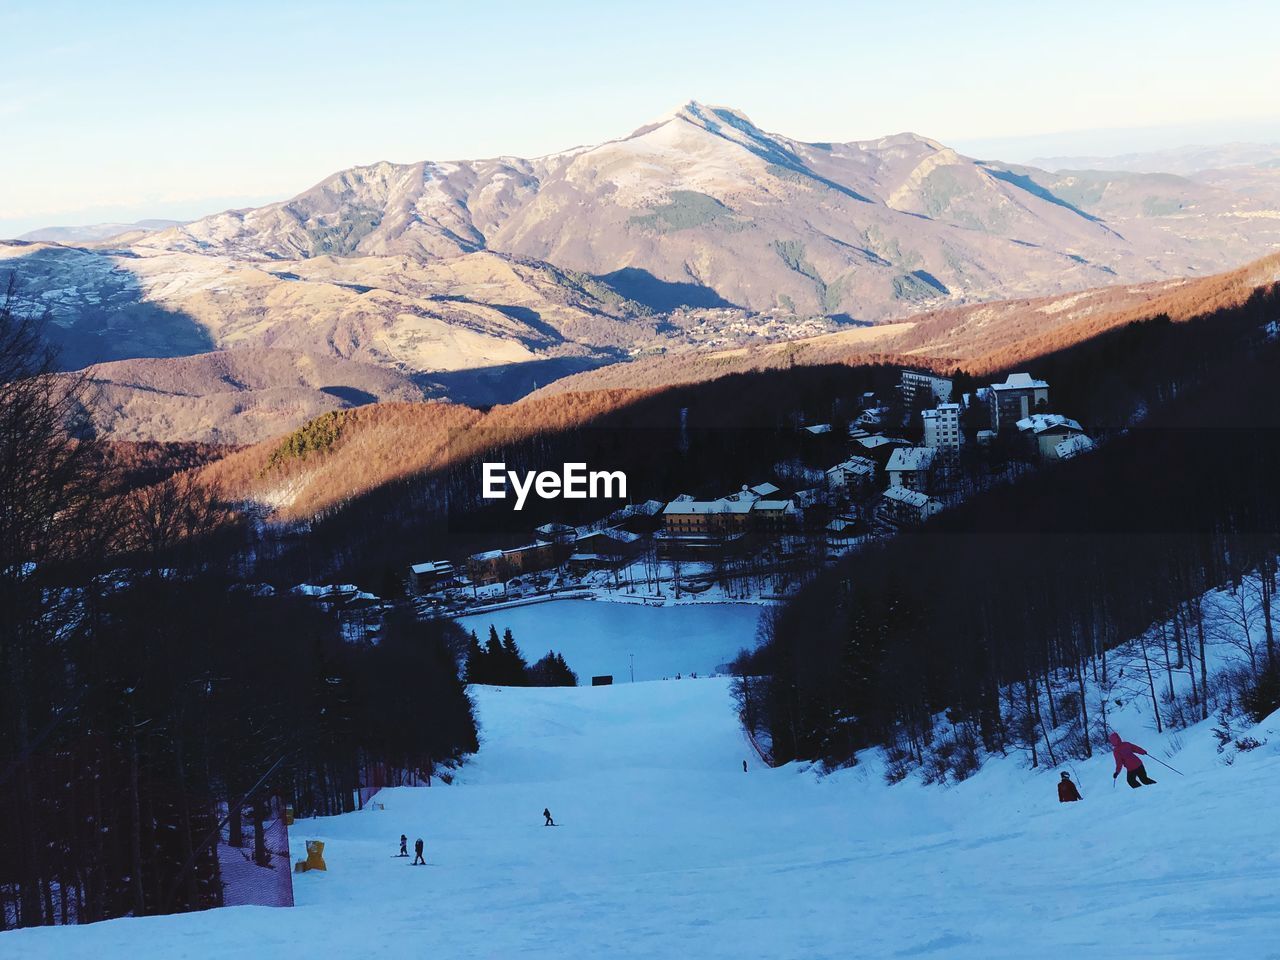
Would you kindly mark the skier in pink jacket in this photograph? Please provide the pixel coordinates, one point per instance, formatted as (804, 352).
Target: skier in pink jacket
(1126, 755)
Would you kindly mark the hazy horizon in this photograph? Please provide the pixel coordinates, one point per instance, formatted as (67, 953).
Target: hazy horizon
(124, 113)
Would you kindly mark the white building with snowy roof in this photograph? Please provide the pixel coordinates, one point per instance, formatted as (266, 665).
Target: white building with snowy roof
(1045, 431)
(432, 573)
(942, 427)
(1019, 396)
(852, 473)
(910, 467)
(903, 507)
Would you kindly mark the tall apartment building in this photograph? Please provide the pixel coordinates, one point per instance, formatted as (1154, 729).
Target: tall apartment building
(1016, 399)
(942, 427)
(923, 389)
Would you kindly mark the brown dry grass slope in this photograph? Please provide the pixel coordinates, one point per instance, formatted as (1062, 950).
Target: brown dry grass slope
(979, 338)
(352, 451)
(363, 448)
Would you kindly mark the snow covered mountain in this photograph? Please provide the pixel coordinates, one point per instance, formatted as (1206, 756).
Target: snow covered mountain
(705, 199)
(490, 277)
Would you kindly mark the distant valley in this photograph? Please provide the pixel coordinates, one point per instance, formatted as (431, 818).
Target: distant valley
(699, 233)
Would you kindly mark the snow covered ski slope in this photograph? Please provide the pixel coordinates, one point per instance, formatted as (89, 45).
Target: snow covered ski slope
(668, 849)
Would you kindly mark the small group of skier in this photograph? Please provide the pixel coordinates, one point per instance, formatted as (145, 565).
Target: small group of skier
(417, 844)
(417, 849)
(1126, 756)
(1125, 753)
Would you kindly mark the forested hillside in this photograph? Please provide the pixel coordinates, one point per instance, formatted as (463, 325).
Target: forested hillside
(153, 705)
(1038, 580)
(705, 437)
(387, 442)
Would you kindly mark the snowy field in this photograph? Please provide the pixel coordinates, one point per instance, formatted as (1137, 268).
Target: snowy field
(598, 636)
(667, 849)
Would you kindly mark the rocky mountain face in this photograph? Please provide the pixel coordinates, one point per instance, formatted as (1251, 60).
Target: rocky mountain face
(483, 279)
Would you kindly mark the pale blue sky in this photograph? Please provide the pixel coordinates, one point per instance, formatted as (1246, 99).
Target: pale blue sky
(117, 111)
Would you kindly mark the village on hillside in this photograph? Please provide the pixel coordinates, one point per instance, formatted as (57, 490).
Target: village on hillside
(902, 459)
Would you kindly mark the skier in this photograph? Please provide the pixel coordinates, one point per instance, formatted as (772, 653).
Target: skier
(744, 766)
(546, 812)
(417, 849)
(1126, 755)
(1067, 792)
(404, 846)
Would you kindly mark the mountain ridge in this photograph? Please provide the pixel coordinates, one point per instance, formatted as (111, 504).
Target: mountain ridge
(696, 231)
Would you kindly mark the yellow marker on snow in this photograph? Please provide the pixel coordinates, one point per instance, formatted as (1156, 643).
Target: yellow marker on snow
(315, 858)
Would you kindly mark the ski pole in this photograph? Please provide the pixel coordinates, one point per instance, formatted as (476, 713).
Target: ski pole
(1163, 764)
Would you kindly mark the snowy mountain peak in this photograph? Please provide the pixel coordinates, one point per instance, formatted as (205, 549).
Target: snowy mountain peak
(906, 140)
(713, 118)
(725, 122)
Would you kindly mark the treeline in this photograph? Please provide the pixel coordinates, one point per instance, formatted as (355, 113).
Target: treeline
(1040, 579)
(704, 439)
(186, 710)
(499, 662)
(151, 705)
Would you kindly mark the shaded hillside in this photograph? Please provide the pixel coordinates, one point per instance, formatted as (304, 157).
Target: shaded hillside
(980, 338)
(124, 465)
(296, 476)
(1126, 361)
(232, 397)
(976, 617)
(708, 437)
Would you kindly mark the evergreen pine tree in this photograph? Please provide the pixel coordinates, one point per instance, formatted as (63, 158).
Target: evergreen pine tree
(478, 663)
(567, 678)
(513, 662)
(493, 646)
(552, 671)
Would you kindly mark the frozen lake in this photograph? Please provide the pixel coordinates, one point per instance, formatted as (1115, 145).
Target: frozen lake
(597, 637)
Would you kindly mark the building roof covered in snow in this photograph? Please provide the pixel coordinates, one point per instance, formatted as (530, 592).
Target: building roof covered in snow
(877, 440)
(553, 530)
(906, 495)
(911, 458)
(1038, 423)
(438, 567)
(765, 489)
(777, 506)
(733, 504)
(1020, 381)
(818, 429)
(1073, 446)
(620, 536)
(857, 466)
